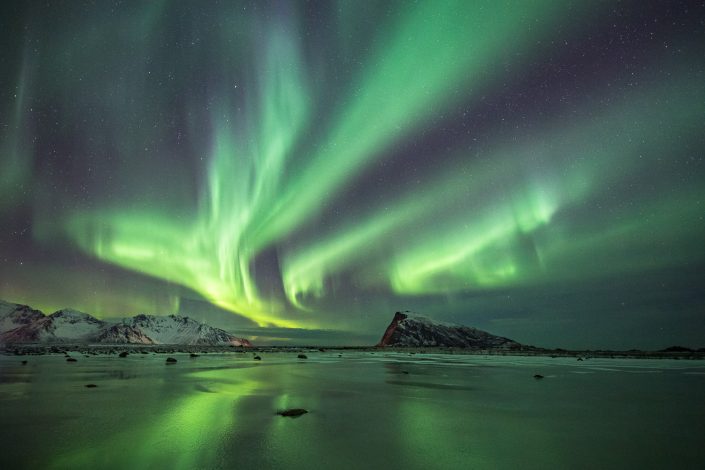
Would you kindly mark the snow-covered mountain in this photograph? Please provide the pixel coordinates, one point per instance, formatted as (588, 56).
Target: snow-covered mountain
(175, 329)
(15, 315)
(415, 330)
(121, 333)
(22, 324)
(62, 326)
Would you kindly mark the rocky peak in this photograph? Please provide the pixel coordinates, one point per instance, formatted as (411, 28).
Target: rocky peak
(389, 332)
(408, 329)
(72, 316)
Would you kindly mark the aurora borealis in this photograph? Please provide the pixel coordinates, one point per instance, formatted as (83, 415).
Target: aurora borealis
(301, 170)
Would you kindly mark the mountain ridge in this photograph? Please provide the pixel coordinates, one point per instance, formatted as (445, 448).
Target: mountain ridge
(22, 324)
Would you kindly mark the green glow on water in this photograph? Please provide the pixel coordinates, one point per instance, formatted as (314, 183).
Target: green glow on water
(218, 411)
(187, 435)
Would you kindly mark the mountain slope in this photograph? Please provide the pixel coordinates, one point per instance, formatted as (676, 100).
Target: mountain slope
(175, 329)
(22, 324)
(415, 330)
(123, 334)
(15, 316)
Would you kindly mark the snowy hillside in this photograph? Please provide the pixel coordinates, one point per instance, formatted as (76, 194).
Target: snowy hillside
(175, 329)
(123, 334)
(15, 315)
(61, 326)
(22, 324)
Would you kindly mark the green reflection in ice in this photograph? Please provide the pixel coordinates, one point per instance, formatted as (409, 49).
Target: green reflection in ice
(187, 433)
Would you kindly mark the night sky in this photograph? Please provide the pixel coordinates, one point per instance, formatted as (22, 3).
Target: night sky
(298, 171)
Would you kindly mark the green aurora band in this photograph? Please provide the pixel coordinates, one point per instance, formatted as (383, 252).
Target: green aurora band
(246, 209)
(271, 143)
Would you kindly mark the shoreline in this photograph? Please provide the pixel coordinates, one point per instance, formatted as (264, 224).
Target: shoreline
(33, 349)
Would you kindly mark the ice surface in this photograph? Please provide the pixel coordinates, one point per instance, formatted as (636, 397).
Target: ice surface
(366, 410)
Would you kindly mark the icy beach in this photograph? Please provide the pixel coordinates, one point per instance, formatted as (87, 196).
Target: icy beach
(365, 410)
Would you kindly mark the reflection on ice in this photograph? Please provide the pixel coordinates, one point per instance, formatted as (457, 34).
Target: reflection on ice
(387, 410)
